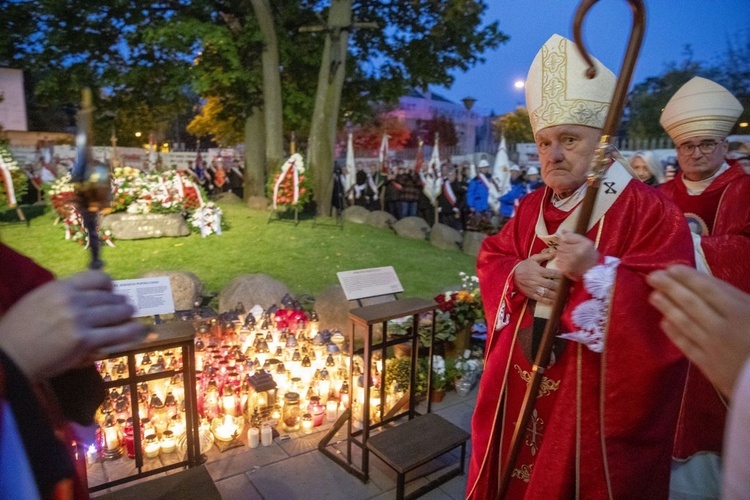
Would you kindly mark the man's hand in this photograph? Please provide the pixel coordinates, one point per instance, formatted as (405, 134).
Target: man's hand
(708, 319)
(575, 255)
(62, 324)
(536, 281)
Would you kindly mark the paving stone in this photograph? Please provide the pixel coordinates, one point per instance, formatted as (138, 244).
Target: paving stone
(238, 462)
(312, 475)
(238, 487)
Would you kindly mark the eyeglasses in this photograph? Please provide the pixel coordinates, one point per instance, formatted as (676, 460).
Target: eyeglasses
(706, 147)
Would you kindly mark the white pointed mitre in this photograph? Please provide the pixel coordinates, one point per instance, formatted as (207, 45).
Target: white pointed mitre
(700, 108)
(558, 92)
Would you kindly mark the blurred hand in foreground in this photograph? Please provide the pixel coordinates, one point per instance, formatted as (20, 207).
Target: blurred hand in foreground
(62, 324)
(708, 319)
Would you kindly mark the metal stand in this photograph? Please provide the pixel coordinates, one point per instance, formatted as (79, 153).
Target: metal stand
(368, 317)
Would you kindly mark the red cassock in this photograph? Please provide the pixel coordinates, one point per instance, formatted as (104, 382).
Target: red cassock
(722, 214)
(604, 422)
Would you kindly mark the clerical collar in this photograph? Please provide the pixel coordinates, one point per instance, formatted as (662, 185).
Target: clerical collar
(569, 203)
(695, 188)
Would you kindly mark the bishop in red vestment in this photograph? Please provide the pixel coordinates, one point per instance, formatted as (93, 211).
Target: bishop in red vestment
(605, 415)
(714, 195)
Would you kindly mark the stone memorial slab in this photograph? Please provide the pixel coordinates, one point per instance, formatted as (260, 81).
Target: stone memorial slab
(141, 226)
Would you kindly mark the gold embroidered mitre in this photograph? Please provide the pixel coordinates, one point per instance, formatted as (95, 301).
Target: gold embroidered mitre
(700, 108)
(558, 92)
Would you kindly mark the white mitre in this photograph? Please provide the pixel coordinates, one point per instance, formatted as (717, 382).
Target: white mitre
(700, 108)
(558, 92)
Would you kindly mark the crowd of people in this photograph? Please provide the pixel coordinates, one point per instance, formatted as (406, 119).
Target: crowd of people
(468, 197)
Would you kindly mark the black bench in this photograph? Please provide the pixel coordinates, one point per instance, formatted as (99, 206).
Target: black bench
(414, 443)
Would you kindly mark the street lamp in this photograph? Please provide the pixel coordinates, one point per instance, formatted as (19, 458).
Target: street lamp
(137, 134)
(471, 126)
(468, 102)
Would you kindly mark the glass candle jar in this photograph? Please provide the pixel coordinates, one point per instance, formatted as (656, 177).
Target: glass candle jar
(167, 442)
(129, 438)
(317, 410)
(307, 423)
(177, 425)
(291, 415)
(151, 446)
(266, 435)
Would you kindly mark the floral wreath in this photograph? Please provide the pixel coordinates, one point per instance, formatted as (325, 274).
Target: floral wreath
(289, 185)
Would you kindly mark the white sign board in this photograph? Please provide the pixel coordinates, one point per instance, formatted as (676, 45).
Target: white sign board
(150, 296)
(372, 282)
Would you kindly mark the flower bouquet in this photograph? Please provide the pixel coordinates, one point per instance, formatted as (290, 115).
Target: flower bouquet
(463, 306)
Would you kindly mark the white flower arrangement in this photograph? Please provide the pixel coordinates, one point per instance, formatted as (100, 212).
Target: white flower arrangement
(468, 366)
(60, 186)
(207, 219)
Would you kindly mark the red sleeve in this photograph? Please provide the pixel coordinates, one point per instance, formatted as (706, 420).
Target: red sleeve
(18, 276)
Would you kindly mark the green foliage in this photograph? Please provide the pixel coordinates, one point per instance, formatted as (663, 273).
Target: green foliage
(304, 257)
(647, 100)
(398, 371)
(515, 126)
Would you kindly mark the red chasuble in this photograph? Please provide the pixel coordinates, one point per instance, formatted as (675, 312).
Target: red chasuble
(604, 423)
(722, 214)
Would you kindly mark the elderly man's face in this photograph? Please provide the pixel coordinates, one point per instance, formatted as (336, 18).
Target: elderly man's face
(565, 152)
(697, 165)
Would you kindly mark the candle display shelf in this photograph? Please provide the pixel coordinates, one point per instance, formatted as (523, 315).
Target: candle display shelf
(149, 421)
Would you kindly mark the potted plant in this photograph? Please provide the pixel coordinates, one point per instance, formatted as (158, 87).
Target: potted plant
(443, 373)
(397, 372)
(462, 308)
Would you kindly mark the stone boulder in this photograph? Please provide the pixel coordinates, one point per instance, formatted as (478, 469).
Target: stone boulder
(445, 237)
(140, 226)
(472, 241)
(333, 311)
(356, 214)
(187, 289)
(258, 203)
(380, 219)
(414, 228)
(251, 289)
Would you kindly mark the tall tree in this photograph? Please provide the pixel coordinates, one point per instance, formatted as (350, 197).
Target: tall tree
(417, 44)
(648, 98)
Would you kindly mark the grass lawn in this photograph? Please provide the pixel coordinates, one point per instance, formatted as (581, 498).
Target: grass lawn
(304, 257)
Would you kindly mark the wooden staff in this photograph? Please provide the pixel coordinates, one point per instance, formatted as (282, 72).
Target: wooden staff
(91, 180)
(598, 169)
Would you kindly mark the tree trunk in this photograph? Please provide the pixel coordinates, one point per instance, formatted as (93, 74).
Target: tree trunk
(255, 157)
(327, 102)
(271, 85)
